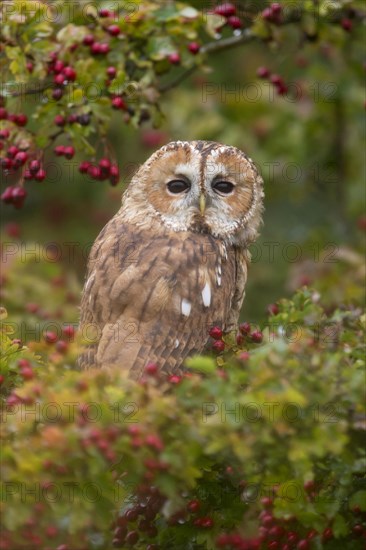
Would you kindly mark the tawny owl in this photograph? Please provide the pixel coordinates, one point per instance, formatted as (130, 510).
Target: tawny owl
(173, 261)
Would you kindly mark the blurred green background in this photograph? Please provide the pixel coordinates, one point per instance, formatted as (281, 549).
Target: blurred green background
(309, 151)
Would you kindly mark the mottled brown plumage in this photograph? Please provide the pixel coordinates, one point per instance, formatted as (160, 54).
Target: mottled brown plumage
(171, 265)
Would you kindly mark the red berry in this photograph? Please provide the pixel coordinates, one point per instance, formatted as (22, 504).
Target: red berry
(111, 72)
(61, 346)
(28, 175)
(151, 369)
(3, 113)
(58, 66)
(50, 337)
(273, 545)
(34, 166)
(59, 150)
(94, 172)
(276, 8)
(234, 22)
(18, 196)
(273, 309)
(27, 373)
(303, 544)
(113, 30)
(57, 94)
(357, 530)
(104, 48)
(218, 346)
(69, 73)
(59, 79)
(69, 152)
(7, 195)
(40, 175)
(244, 328)
(193, 506)
(114, 174)
(309, 486)
(327, 534)
(59, 120)
(132, 537)
(347, 24)
(84, 166)
(105, 165)
(244, 356)
(175, 379)
(12, 151)
(174, 58)
(216, 333)
(194, 47)
(267, 502)
(1, 379)
(20, 158)
(256, 336)
(263, 72)
(71, 119)
(118, 103)
(225, 9)
(88, 40)
(4, 134)
(6, 163)
(277, 80)
(267, 14)
(105, 13)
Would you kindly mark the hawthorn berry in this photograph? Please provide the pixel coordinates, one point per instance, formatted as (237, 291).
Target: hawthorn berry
(347, 24)
(244, 356)
(218, 346)
(59, 120)
(113, 30)
(50, 337)
(263, 72)
(103, 12)
(216, 333)
(29, 66)
(34, 166)
(4, 134)
(84, 166)
(175, 379)
(256, 336)
(111, 72)
(194, 47)
(94, 172)
(225, 10)
(20, 158)
(69, 73)
(40, 175)
(88, 40)
(12, 151)
(194, 505)
(118, 103)
(59, 150)
(273, 309)
(174, 58)
(59, 79)
(3, 113)
(27, 373)
(6, 163)
(234, 22)
(61, 346)
(18, 196)
(58, 66)
(69, 152)
(114, 174)
(151, 369)
(57, 94)
(245, 328)
(303, 544)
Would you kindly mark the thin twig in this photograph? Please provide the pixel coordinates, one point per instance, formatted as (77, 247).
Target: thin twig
(215, 46)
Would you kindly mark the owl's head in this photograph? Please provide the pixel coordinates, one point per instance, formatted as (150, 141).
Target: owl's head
(198, 186)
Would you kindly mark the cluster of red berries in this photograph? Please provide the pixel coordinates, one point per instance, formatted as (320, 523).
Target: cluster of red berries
(63, 74)
(66, 151)
(14, 195)
(245, 333)
(138, 520)
(273, 13)
(228, 11)
(234, 540)
(102, 171)
(275, 79)
(20, 120)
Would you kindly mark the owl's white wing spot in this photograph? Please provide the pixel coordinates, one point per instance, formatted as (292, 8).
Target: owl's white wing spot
(206, 295)
(218, 279)
(176, 344)
(186, 307)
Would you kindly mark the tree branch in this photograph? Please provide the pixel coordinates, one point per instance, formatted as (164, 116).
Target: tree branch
(215, 46)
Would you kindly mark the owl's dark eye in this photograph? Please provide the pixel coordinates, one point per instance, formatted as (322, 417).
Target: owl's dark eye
(223, 187)
(178, 186)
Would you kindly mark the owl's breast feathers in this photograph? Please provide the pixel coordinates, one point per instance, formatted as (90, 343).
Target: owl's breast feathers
(154, 298)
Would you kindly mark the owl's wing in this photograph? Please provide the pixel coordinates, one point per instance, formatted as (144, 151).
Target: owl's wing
(154, 297)
(242, 259)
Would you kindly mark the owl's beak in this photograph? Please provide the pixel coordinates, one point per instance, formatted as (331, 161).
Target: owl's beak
(202, 203)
